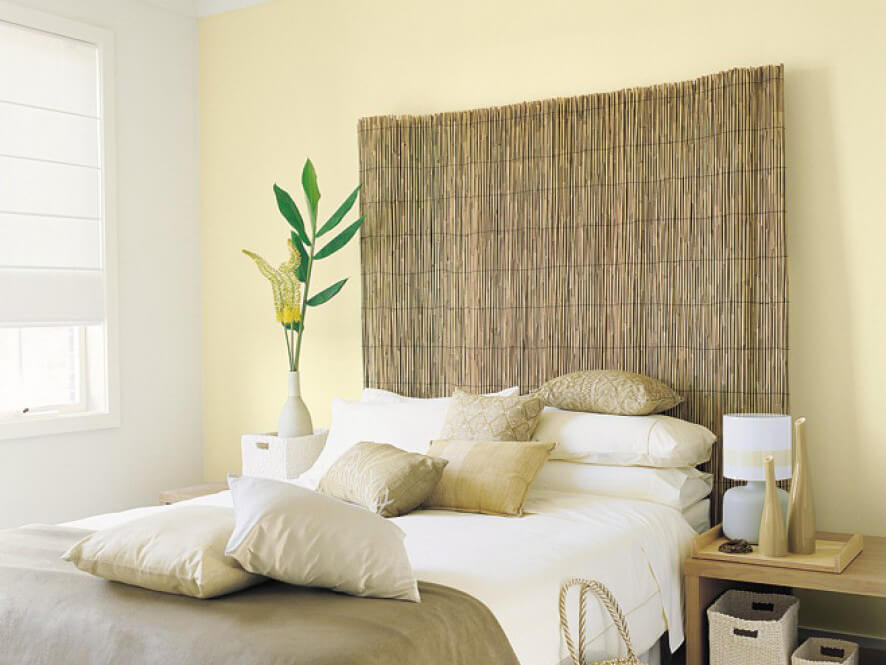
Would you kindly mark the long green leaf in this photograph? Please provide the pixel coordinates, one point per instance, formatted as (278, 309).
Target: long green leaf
(327, 293)
(312, 192)
(302, 271)
(290, 211)
(340, 213)
(339, 241)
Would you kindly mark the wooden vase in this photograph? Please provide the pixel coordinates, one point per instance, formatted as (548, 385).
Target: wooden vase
(801, 510)
(773, 535)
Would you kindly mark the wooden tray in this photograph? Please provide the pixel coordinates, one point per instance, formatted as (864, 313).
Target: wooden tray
(833, 552)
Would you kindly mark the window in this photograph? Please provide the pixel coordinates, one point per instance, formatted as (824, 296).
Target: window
(57, 295)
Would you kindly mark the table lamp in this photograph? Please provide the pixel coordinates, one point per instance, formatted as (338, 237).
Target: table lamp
(747, 439)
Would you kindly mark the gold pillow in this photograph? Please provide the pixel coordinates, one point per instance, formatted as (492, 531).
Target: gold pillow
(177, 550)
(383, 478)
(491, 477)
(491, 417)
(609, 391)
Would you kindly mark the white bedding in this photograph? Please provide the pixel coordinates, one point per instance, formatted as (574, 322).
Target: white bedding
(515, 565)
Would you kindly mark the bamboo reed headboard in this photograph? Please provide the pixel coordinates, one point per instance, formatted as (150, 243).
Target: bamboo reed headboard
(642, 229)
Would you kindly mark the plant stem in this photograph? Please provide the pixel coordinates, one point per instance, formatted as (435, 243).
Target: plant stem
(288, 345)
(304, 305)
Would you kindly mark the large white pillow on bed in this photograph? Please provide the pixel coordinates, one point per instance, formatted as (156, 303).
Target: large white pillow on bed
(677, 488)
(624, 440)
(379, 395)
(298, 536)
(409, 425)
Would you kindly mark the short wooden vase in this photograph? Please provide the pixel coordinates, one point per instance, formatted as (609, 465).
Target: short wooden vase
(773, 535)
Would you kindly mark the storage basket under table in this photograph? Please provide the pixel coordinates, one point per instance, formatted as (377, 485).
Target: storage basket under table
(747, 627)
(825, 650)
(280, 457)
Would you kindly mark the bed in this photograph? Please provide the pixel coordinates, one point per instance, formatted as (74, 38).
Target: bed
(514, 566)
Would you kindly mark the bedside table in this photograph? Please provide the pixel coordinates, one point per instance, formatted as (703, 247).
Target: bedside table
(168, 497)
(706, 580)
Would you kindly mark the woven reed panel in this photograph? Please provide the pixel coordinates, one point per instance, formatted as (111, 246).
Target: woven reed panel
(642, 230)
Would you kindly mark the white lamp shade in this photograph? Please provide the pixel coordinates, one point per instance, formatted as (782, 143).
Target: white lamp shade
(748, 438)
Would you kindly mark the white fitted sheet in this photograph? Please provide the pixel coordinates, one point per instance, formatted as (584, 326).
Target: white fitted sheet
(515, 565)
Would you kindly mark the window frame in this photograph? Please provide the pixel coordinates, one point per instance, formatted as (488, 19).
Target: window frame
(43, 424)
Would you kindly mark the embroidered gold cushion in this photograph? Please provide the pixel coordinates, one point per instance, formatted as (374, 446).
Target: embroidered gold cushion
(491, 477)
(383, 478)
(609, 391)
(491, 418)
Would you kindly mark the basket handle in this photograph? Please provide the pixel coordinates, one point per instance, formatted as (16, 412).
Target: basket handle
(608, 601)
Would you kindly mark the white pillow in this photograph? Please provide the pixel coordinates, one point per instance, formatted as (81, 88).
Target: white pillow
(677, 488)
(624, 440)
(177, 550)
(409, 425)
(379, 395)
(298, 536)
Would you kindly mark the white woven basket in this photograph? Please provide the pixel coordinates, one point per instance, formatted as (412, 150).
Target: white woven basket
(823, 650)
(607, 600)
(757, 628)
(280, 458)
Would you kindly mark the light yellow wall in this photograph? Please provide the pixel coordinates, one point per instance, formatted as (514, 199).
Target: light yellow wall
(288, 79)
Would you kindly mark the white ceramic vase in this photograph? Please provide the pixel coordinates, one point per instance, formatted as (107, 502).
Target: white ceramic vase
(295, 419)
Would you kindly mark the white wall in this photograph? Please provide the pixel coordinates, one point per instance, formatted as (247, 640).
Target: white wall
(159, 442)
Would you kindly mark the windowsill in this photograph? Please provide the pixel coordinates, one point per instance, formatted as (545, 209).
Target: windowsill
(60, 423)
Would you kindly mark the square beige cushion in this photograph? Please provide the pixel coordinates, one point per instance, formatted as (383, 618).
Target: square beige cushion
(491, 418)
(178, 550)
(383, 478)
(609, 391)
(491, 477)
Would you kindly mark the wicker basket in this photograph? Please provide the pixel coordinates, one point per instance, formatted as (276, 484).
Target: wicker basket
(822, 650)
(608, 601)
(758, 628)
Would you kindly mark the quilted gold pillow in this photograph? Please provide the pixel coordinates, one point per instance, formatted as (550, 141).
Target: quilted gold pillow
(383, 478)
(491, 418)
(491, 477)
(609, 391)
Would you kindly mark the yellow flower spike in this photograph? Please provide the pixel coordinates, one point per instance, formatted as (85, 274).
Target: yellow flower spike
(284, 284)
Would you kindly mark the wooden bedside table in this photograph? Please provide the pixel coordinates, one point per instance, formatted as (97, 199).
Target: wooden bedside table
(706, 580)
(174, 496)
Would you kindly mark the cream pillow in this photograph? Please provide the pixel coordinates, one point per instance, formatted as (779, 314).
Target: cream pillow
(491, 418)
(295, 535)
(625, 440)
(178, 550)
(383, 478)
(491, 477)
(609, 391)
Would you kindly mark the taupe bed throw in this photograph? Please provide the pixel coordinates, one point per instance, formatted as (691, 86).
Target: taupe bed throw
(52, 613)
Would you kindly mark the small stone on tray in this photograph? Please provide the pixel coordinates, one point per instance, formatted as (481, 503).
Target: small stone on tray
(737, 546)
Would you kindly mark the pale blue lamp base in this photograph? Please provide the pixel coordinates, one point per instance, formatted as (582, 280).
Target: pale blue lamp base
(743, 508)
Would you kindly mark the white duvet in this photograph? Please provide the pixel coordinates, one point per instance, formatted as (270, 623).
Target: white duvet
(515, 565)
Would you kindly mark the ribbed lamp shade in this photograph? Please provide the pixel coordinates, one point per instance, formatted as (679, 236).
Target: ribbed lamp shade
(750, 437)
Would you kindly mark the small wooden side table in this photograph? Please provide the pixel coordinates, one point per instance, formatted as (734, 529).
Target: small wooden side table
(183, 493)
(706, 580)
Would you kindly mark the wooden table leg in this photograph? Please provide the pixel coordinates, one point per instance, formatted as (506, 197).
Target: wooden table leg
(700, 593)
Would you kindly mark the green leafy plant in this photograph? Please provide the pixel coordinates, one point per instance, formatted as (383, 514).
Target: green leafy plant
(303, 241)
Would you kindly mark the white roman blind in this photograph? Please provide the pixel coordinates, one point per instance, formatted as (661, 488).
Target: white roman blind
(52, 264)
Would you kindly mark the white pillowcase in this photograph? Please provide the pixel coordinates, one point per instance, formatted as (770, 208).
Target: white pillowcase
(624, 440)
(677, 488)
(379, 395)
(408, 425)
(298, 536)
(177, 550)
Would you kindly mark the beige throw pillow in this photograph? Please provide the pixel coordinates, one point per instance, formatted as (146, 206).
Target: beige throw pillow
(491, 418)
(178, 550)
(383, 478)
(491, 477)
(609, 391)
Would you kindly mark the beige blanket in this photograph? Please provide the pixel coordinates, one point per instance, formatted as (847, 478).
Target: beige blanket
(52, 613)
